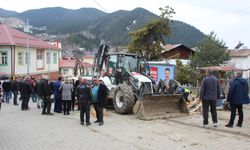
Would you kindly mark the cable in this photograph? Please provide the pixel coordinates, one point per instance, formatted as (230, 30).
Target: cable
(101, 6)
(224, 14)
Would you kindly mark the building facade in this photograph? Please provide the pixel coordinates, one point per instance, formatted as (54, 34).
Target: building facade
(240, 58)
(178, 51)
(69, 64)
(22, 54)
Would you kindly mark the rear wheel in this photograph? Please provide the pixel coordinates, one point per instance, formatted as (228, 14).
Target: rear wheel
(124, 99)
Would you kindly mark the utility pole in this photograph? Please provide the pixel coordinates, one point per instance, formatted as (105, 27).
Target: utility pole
(49, 60)
(27, 54)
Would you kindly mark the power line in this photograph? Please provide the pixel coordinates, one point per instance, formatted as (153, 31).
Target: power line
(220, 15)
(101, 6)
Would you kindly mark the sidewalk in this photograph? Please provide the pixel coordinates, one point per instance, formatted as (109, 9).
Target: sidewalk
(195, 120)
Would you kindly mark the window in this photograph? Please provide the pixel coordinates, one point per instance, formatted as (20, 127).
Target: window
(20, 58)
(27, 58)
(39, 54)
(65, 71)
(48, 58)
(130, 63)
(3, 58)
(112, 65)
(55, 58)
(40, 62)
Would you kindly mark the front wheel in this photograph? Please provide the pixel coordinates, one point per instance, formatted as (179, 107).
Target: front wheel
(124, 99)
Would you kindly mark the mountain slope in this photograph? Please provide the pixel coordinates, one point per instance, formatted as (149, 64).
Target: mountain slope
(185, 34)
(115, 27)
(58, 19)
(6, 13)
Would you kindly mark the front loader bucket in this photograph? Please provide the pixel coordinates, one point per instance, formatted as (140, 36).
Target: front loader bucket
(160, 106)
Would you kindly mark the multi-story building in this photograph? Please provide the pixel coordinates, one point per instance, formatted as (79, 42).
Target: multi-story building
(22, 54)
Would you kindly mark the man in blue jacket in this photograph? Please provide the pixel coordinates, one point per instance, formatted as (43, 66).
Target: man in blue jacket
(237, 96)
(99, 95)
(209, 93)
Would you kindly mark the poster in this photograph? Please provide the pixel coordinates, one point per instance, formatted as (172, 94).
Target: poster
(154, 73)
(157, 71)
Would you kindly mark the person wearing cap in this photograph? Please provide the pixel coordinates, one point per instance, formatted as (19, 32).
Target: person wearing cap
(99, 95)
(237, 96)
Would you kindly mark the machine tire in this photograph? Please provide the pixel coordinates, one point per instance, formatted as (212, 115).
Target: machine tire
(124, 99)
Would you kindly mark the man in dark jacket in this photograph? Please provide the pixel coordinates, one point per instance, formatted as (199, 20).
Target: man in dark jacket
(45, 93)
(209, 94)
(237, 96)
(7, 90)
(58, 96)
(26, 91)
(83, 92)
(15, 89)
(99, 95)
(76, 84)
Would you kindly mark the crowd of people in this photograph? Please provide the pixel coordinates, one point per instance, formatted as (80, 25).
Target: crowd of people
(63, 93)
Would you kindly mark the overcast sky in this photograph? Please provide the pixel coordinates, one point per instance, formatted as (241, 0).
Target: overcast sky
(229, 19)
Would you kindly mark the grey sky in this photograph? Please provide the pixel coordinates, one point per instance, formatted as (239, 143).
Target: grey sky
(228, 18)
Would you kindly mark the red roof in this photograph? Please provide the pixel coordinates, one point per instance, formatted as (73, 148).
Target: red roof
(67, 63)
(85, 64)
(221, 68)
(89, 56)
(10, 36)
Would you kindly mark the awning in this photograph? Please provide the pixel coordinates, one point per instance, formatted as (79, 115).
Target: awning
(222, 68)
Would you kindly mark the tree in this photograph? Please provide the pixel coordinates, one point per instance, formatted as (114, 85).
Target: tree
(210, 52)
(185, 73)
(148, 40)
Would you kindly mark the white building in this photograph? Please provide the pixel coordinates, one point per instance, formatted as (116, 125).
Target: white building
(240, 58)
(22, 54)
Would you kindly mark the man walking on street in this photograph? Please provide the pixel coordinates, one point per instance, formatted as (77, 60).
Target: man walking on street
(237, 96)
(45, 94)
(83, 93)
(99, 95)
(209, 94)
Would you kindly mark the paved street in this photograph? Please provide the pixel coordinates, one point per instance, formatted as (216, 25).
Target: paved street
(29, 130)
